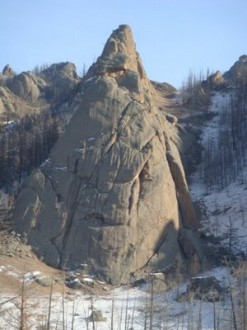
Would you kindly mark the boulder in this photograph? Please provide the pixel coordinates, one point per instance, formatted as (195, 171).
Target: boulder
(205, 288)
(113, 193)
(73, 283)
(97, 316)
(43, 280)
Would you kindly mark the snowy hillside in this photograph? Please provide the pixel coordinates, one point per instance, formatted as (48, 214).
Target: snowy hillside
(219, 185)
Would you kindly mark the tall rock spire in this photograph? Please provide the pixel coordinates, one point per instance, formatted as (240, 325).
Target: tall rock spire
(121, 61)
(113, 193)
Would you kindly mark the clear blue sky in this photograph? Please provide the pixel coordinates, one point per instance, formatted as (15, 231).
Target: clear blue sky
(172, 36)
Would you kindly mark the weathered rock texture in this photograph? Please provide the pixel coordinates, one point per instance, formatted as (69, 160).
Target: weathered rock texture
(31, 93)
(113, 193)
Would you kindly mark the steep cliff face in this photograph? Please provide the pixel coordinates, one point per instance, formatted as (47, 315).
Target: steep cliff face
(113, 193)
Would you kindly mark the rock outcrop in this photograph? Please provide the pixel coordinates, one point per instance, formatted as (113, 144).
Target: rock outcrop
(26, 86)
(29, 92)
(113, 193)
(8, 71)
(60, 79)
(215, 81)
(238, 72)
(51, 84)
(235, 76)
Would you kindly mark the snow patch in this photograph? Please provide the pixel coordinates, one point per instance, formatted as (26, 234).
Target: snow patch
(225, 209)
(45, 163)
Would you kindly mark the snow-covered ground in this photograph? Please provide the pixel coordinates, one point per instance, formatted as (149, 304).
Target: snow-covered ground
(123, 308)
(225, 209)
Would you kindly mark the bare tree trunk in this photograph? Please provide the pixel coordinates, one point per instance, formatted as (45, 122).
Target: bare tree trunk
(49, 307)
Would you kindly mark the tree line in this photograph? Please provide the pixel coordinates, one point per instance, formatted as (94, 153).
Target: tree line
(194, 95)
(226, 157)
(25, 145)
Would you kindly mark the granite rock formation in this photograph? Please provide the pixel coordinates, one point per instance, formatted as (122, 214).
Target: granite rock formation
(237, 74)
(113, 193)
(8, 71)
(32, 92)
(215, 81)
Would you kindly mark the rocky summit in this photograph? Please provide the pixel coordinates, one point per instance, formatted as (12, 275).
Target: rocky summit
(113, 193)
(30, 93)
